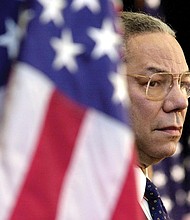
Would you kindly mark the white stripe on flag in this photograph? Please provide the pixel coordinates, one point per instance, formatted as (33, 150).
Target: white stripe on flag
(97, 170)
(28, 97)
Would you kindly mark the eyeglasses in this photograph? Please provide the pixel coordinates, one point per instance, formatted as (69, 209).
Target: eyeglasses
(158, 85)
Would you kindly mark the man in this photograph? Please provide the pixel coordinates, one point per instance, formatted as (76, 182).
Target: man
(159, 88)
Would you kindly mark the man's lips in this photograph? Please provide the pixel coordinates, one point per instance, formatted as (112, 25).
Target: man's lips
(172, 130)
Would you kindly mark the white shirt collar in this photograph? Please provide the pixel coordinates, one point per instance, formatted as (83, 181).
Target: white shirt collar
(141, 185)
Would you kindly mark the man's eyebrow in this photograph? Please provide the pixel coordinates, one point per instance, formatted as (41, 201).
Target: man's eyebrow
(155, 70)
(159, 70)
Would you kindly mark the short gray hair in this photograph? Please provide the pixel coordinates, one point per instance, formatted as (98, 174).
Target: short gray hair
(136, 23)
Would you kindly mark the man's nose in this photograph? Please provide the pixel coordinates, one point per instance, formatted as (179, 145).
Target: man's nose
(176, 100)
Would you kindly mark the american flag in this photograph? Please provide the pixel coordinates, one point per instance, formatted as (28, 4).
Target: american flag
(66, 150)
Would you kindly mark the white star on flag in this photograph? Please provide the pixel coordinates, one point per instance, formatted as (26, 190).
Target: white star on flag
(52, 10)
(11, 38)
(119, 83)
(66, 51)
(92, 5)
(106, 40)
(168, 203)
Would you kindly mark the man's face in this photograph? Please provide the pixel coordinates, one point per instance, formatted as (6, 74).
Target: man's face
(157, 124)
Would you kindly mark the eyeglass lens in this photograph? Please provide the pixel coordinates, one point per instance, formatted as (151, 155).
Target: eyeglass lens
(160, 84)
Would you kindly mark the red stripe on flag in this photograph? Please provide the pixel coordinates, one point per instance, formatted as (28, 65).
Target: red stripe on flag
(128, 204)
(40, 193)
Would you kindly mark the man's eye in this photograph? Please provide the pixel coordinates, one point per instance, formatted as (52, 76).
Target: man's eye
(185, 85)
(154, 83)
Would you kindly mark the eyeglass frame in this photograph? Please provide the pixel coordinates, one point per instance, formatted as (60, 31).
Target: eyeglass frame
(174, 75)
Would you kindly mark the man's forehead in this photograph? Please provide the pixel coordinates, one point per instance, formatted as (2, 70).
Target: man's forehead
(149, 51)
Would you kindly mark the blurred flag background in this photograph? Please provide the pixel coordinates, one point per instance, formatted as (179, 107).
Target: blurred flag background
(66, 150)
